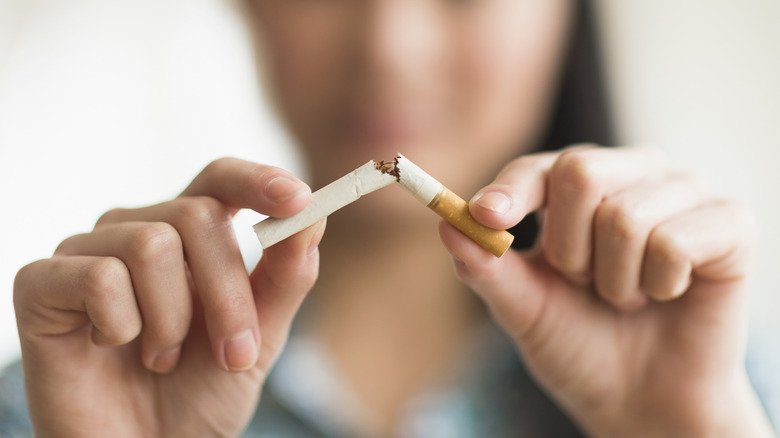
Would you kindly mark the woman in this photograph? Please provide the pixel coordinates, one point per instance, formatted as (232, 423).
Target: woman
(629, 312)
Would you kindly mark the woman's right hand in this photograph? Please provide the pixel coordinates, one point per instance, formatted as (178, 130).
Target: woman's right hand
(151, 326)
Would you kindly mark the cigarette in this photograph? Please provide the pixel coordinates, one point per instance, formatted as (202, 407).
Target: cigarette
(451, 207)
(371, 177)
(345, 190)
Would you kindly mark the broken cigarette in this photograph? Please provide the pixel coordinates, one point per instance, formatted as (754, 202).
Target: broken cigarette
(451, 207)
(345, 190)
(373, 176)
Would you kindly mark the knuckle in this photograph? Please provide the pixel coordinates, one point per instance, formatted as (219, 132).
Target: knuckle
(154, 241)
(110, 217)
(621, 219)
(232, 305)
(65, 247)
(218, 166)
(23, 282)
(576, 169)
(667, 248)
(111, 308)
(204, 211)
(105, 277)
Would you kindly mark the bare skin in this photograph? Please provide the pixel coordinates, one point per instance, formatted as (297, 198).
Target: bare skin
(173, 274)
(630, 311)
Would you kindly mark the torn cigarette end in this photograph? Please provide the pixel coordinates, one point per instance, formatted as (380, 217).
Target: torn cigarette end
(451, 207)
(345, 190)
(388, 168)
(373, 176)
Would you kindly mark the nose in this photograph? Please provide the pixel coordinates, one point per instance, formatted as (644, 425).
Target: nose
(401, 38)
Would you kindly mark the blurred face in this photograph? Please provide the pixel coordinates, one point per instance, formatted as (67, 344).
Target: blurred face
(458, 86)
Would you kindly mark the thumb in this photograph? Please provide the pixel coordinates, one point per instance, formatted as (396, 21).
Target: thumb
(513, 286)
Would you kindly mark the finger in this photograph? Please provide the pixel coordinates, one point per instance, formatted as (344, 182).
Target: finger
(281, 280)
(622, 226)
(506, 284)
(518, 189)
(570, 185)
(152, 252)
(243, 184)
(202, 218)
(577, 183)
(59, 296)
(713, 242)
(218, 273)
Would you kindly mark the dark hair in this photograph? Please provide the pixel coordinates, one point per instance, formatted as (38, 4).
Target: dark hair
(581, 113)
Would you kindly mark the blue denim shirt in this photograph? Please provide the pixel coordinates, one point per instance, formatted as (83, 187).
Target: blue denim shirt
(491, 395)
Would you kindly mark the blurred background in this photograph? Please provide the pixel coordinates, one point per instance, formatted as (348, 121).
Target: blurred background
(120, 103)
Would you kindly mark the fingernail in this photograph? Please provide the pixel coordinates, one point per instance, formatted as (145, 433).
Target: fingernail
(241, 351)
(493, 201)
(281, 189)
(166, 360)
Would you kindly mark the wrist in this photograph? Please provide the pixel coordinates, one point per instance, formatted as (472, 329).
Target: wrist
(727, 412)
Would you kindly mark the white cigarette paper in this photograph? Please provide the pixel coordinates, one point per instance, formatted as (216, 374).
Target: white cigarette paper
(373, 176)
(345, 190)
(416, 181)
(451, 207)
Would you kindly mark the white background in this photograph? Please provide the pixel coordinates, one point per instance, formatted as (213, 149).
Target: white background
(119, 103)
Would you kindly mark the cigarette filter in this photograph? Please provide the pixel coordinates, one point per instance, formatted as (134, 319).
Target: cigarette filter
(345, 190)
(450, 206)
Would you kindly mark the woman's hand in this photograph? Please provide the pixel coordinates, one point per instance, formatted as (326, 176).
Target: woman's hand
(151, 326)
(630, 311)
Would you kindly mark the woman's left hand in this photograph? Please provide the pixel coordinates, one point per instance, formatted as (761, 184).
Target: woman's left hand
(630, 310)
